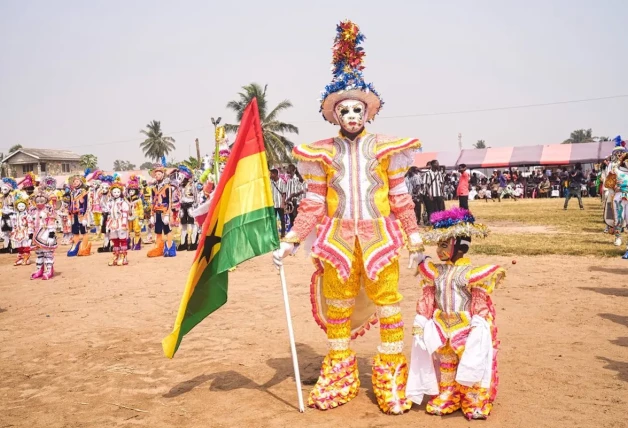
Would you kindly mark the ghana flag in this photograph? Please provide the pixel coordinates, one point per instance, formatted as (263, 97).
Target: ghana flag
(240, 224)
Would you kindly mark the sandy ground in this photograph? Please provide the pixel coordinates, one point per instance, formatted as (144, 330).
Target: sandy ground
(75, 348)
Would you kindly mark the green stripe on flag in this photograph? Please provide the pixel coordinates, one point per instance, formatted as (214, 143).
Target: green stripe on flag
(243, 238)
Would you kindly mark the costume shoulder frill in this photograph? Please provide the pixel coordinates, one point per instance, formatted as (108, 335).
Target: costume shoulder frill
(486, 277)
(428, 271)
(321, 151)
(389, 146)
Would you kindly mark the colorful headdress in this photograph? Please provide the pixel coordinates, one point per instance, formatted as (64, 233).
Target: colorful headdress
(28, 182)
(117, 184)
(74, 177)
(21, 197)
(49, 184)
(8, 181)
(185, 172)
(348, 82)
(157, 168)
(454, 223)
(134, 182)
(108, 179)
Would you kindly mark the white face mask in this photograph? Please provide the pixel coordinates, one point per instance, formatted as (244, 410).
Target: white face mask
(21, 207)
(116, 193)
(5, 190)
(350, 115)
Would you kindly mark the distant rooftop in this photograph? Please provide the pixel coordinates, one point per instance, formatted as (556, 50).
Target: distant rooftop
(46, 154)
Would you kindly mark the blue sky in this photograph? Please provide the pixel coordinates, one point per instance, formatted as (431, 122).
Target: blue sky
(88, 75)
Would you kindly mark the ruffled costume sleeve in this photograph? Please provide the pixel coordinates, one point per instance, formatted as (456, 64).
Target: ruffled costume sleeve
(426, 304)
(482, 282)
(400, 156)
(313, 162)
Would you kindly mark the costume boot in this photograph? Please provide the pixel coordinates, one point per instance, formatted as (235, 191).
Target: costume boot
(475, 402)
(138, 243)
(194, 245)
(172, 251)
(40, 270)
(49, 272)
(122, 260)
(86, 246)
(116, 254)
(390, 376)
(338, 382)
(158, 249)
(183, 246)
(74, 249)
(448, 401)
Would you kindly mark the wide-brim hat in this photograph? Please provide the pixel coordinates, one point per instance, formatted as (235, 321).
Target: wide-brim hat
(371, 100)
(153, 171)
(454, 223)
(347, 81)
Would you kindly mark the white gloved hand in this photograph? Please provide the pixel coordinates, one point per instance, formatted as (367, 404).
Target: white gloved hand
(285, 249)
(166, 220)
(84, 223)
(152, 219)
(416, 258)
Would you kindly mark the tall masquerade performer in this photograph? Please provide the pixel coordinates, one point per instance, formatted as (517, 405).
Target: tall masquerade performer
(188, 225)
(220, 157)
(7, 207)
(615, 224)
(617, 183)
(22, 229)
(359, 203)
(44, 229)
(79, 202)
(455, 321)
(161, 212)
(175, 191)
(136, 212)
(118, 224)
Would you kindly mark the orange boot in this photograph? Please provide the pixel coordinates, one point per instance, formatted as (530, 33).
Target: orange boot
(158, 250)
(86, 246)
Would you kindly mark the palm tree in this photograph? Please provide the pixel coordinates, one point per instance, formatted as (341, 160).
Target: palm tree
(580, 136)
(156, 145)
(147, 165)
(481, 144)
(192, 163)
(120, 165)
(15, 148)
(278, 147)
(89, 161)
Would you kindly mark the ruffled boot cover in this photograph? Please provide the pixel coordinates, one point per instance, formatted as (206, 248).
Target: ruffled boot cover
(389, 384)
(337, 384)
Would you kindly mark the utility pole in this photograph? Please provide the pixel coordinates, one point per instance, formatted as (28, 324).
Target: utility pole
(459, 141)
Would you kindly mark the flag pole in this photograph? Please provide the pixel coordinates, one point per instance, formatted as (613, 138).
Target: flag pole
(293, 348)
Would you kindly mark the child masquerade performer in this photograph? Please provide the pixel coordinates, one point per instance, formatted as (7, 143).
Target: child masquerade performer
(612, 202)
(66, 221)
(146, 200)
(79, 201)
(44, 228)
(136, 212)
(95, 197)
(22, 229)
(118, 224)
(104, 196)
(7, 208)
(161, 211)
(456, 321)
(358, 200)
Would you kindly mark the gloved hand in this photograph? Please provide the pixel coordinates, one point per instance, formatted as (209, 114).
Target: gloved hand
(152, 219)
(285, 249)
(416, 258)
(166, 220)
(84, 222)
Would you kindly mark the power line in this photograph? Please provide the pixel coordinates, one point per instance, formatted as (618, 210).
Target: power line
(445, 113)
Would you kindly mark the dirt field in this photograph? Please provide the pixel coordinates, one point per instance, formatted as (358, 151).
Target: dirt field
(77, 349)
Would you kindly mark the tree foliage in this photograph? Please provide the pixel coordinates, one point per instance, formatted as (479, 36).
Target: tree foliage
(120, 165)
(580, 136)
(89, 161)
(278, 147)
(147, 165)
(481, 144)
(15, 148)
(156, 145)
